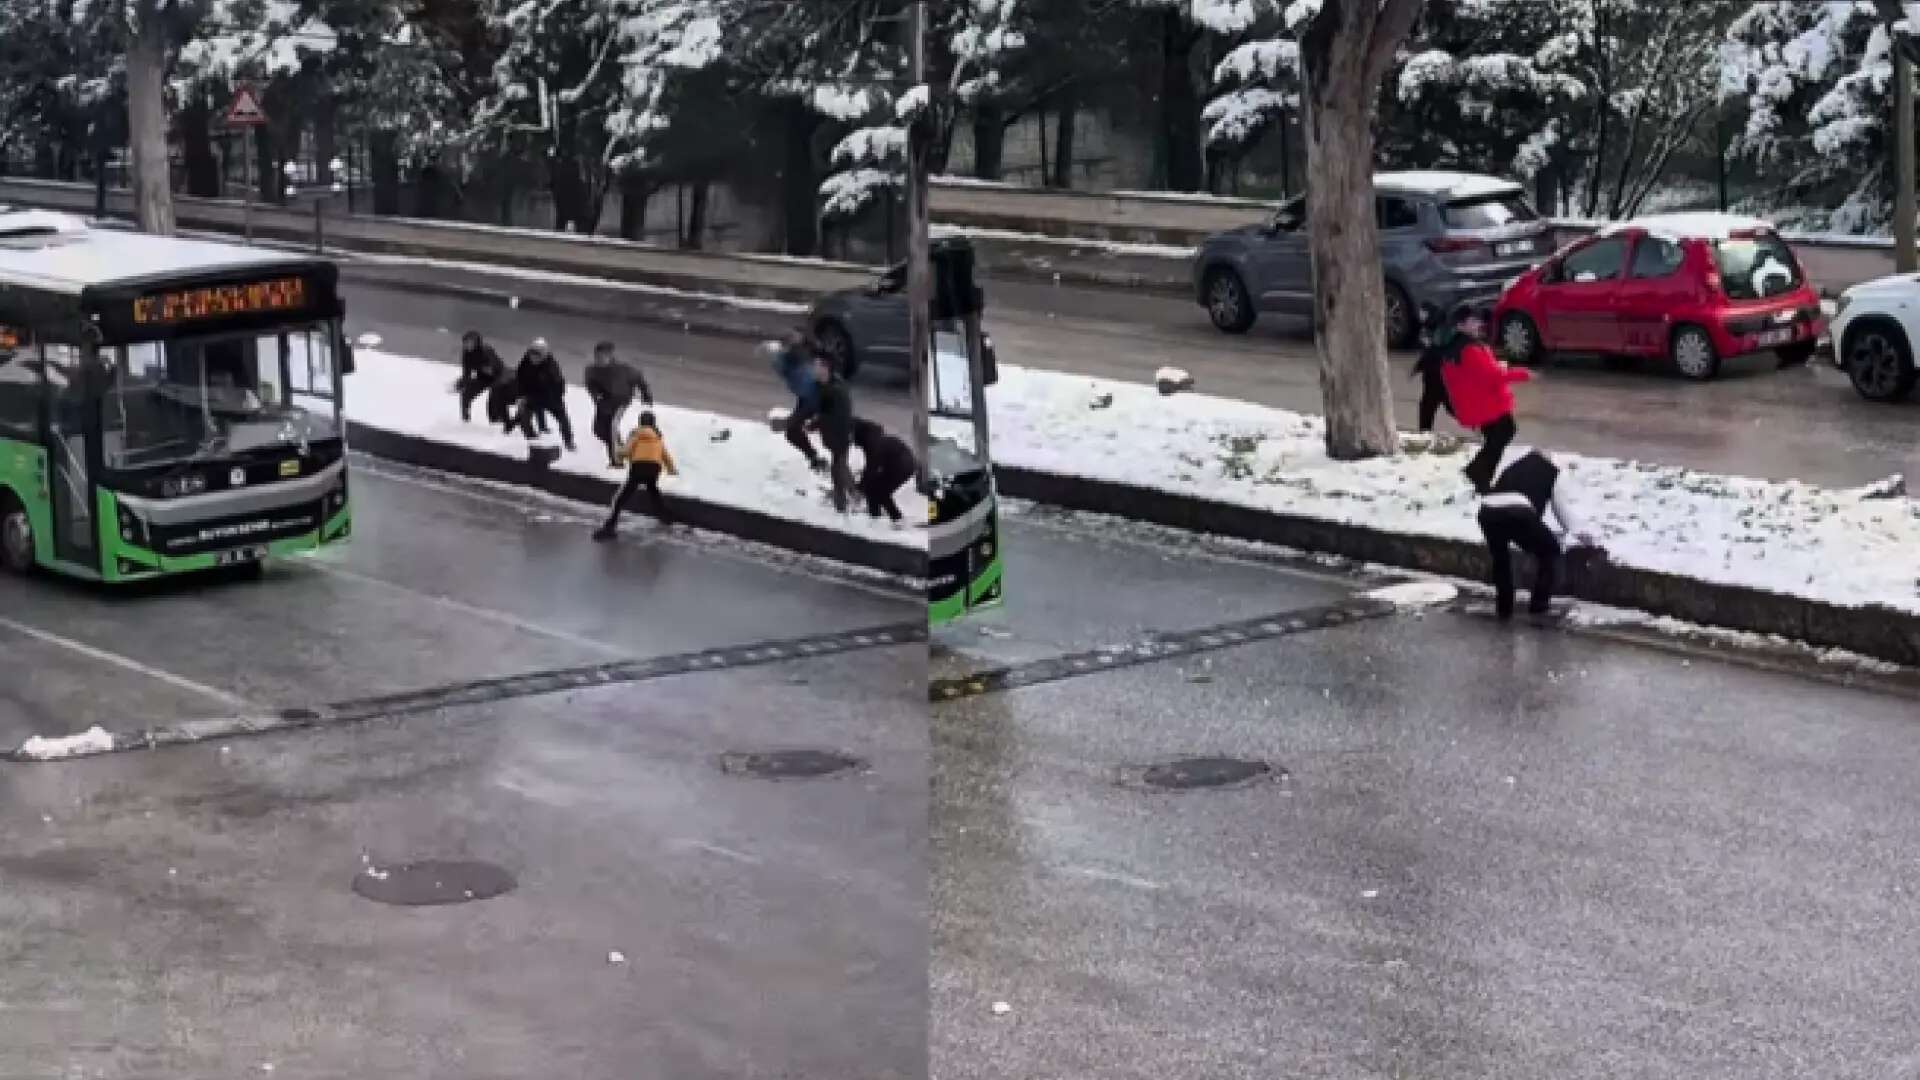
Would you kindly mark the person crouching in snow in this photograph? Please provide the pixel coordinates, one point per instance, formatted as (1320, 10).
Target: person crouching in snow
(480, 371)
(647, 457)
(1525, 486)
(1479, 390)
(886, 465)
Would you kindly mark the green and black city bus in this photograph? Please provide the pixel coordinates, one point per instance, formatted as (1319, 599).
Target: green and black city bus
(166, 405)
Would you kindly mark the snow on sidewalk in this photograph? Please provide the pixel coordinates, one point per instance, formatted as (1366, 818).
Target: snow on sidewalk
(1843, 547)
(722, 460)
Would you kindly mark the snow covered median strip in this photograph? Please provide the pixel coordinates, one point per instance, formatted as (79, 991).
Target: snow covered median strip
(736, 465)
(1844, 548)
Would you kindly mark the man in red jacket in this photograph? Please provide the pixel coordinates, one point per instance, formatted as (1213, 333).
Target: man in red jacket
(1480, 389)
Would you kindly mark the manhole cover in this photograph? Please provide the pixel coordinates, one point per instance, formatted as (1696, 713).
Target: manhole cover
(788, 764)
(433, 881)
(1203, 772)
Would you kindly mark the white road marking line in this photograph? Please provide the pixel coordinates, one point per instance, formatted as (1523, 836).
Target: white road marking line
(677, 539)
(499, 617)
(1128, 880)
(125, 663)
(715, 849)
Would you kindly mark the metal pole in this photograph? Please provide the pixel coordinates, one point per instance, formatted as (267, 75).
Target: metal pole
(1903, 209)
(319, 231)
(246, 163)
(1720, 153)
(919, 273)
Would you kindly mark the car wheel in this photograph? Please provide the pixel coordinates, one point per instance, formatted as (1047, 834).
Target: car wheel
(1880, 363)
(16, 536)
(1228, 304)
(1693, 354)
(1520, 340)
(837, 344)
(1402, 327)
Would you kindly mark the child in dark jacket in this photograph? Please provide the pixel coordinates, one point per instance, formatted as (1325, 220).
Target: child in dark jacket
(647, 456)
(886, 464)
(1479, 391)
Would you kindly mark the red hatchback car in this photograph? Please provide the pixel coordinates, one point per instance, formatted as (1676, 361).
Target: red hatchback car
(1694, 289)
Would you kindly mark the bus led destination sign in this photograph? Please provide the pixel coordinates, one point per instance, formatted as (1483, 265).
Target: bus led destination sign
(220, 301)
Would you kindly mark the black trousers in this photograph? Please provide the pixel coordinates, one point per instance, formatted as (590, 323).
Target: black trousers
(879, 487)
(641, 474)
(1507, 528)
(470, 392)
(803, 411)
(532, 411)
(842, 474)
(1498, 435)
(1433, 398)
(606, 424)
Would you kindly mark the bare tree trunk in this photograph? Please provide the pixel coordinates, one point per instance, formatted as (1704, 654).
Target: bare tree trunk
(989, 141)
(800, 182)
(147, 125)
(919, 254)
(695, 238)
(1347, 49)
(326, 140)
(196, 138)
(635, 191)
(1180, 104)
(384, 151)
(1069, 102)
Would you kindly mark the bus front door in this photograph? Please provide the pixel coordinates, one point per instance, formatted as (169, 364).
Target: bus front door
(72, 421)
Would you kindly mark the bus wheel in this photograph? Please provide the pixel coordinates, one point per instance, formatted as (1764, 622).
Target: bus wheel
(16, 536)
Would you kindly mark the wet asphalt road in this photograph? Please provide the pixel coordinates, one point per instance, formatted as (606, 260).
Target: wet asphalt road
(1755, 420)
(1495, 852)
(187, 911)
(696, 371)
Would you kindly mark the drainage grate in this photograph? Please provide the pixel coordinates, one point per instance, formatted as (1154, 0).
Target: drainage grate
(433, 881)
(1202, 772)
(788, 764)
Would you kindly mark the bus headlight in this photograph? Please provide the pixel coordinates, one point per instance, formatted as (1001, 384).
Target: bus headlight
(132, 529)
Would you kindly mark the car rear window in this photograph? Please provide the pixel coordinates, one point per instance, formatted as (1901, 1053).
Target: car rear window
(1488, 212)
(1755, 267)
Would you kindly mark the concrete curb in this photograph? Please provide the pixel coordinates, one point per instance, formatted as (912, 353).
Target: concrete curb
(691, 510)
(606, 304)
(1876, 631)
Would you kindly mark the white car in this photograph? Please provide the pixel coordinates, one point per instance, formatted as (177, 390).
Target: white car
(1875, 325)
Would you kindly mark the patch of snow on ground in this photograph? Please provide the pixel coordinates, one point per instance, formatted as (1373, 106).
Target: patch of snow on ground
(1792, 538)
(1074, 243)
(1600, 616)
(750, 468)
(527, 273)
(94, 740)
(1415, 593)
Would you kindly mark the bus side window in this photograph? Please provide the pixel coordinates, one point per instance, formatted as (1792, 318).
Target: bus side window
(147, 360)
(19, 395)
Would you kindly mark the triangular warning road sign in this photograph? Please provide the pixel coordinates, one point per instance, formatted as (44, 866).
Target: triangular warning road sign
(245, 111)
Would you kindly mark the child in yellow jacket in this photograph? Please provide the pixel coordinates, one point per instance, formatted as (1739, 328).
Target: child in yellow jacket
(647, 456)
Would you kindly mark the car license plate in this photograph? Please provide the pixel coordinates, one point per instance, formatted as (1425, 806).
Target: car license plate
(1513, 247)
(240, 555)
(1775, 337)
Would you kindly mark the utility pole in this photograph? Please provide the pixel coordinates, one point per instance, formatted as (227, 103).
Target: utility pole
(919, 271)
(1903, 178)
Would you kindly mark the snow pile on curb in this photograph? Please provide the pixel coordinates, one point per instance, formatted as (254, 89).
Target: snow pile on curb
(722, 460)
(1840, 547)
(94, 740)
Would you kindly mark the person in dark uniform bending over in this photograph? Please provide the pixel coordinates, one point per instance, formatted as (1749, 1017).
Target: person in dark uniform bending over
(480, 371)
(887, 463)
(1526, 485)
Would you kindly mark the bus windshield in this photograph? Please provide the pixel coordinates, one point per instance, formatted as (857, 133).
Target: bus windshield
(195, 399)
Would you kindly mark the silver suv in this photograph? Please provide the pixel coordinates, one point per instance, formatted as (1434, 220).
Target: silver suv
(1444, 238)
